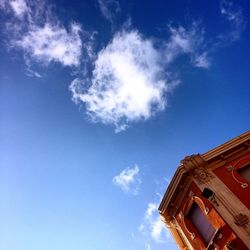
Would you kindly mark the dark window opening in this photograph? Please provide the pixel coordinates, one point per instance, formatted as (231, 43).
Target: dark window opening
(245, 172)
(201, 223)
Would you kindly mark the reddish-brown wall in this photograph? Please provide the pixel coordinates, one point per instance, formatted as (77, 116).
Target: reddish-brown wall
(226, 175)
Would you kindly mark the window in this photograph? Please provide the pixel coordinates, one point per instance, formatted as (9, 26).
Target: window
(201, 223)
(245, 173)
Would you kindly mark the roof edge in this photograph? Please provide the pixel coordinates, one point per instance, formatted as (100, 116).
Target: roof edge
(226, 146)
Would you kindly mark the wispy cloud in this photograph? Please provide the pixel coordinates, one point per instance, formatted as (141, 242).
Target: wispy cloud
(189, 41)
(128, 180)
(52, 43)
(41, 36)
(128, 82)
(234, 15)
(32, 73)
(19, 7)
(153, 225)
(109, 8)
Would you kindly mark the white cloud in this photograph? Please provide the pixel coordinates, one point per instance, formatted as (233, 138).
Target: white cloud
(128, 82)
(154, 225)
(231, 13)
(19, 7)
(109, 8)
(234, 15)
(128, 180)
(154, 230)
(141, 227)
(187, 41)
(201, 60)
(32, 73)
(130, 78)
(41, 36)
(53, 43)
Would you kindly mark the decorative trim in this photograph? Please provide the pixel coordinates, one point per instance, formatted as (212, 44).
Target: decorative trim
(185, 209)
(241, 220)
(242, 184)
(214, 201)
(191, 194)
(207, 210)
(202, 175)
(232, 168)
(174, 224)
(201, 204)
(181, 215)
(223, 148)
(189, 163)
(193, 236)
(182, 218)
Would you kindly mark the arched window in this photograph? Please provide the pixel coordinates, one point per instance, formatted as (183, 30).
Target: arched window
(201, 223)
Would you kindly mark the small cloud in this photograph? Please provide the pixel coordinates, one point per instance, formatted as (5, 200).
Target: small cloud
(32, 73)
(202, 60)
(153, 224)
(41, 36)
(128, 180)
(234, 15)
(152, 227)
(141, 227)
(52, 43)
(19, 7)
(188, 41)
(109, 8)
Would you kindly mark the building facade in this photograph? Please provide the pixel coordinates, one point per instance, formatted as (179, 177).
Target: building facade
(206, 205)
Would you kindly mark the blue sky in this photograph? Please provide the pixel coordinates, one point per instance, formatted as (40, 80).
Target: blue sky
(99, 102)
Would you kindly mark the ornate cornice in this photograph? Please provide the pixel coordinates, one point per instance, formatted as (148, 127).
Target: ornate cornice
(197, 168)
(190, 163)
(202, 175)
(243, 139)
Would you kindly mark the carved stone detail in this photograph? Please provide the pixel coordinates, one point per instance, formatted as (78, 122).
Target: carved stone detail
(191, 194)
(206, 210)
(241, 220)
(189, 163)
(230, 168)
(202, 175)
(193, 236)
(174, 223)
(181, 215)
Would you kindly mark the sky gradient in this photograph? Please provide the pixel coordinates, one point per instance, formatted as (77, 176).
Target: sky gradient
(99, 102)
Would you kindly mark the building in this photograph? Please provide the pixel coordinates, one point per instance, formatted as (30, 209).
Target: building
(206, 205)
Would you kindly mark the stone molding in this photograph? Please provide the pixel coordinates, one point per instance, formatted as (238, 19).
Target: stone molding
(241, 220)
